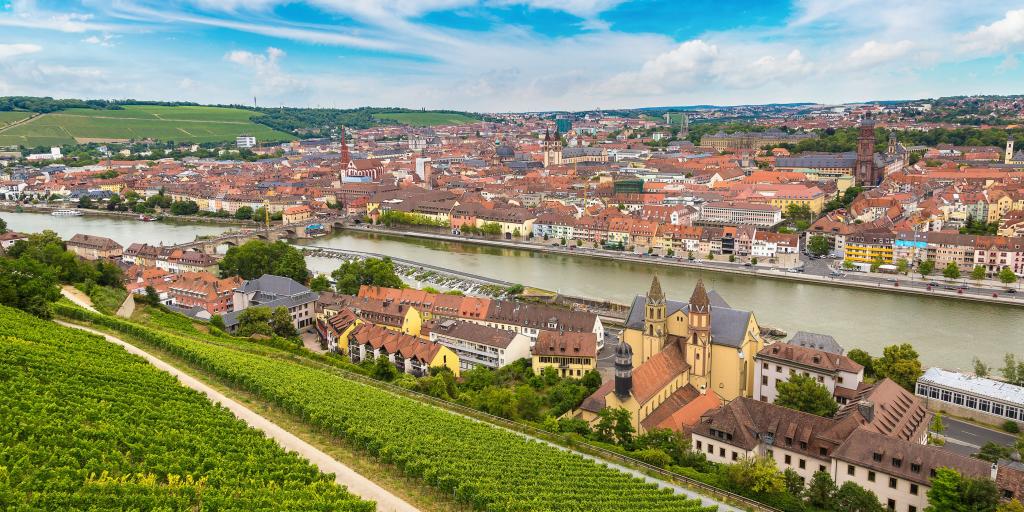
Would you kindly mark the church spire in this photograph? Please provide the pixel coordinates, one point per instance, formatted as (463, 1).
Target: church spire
(655, 295)
(699, 301)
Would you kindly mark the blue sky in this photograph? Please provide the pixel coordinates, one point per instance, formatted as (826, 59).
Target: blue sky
(510, 55)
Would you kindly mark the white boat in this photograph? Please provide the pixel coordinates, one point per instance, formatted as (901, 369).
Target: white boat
(67, 213)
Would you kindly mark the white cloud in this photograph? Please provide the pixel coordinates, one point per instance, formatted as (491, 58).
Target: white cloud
(874, 52)
(1001, 35)
(267, 76)
(13, 50)
(104, 40)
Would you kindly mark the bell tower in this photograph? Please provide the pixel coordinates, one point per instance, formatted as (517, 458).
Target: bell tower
(865, 174)
(1009, 151)
(552, 148)
(698, 343)
(654, 324)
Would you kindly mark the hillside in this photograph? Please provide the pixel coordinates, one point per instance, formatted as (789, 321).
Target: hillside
(88, 426)
(427, 118)
(196, 124)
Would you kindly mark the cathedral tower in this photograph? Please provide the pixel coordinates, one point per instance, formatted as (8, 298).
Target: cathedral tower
(1009, 151)
(655, 331)
(552, 147)
(865, 173)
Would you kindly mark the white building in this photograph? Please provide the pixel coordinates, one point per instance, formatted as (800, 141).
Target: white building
(732, 213)
(245, 142)
(478, 345)
(981, 399)
(779, 361)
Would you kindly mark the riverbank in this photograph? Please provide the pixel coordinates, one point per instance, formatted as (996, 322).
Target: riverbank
(87, 212)
(876, 285)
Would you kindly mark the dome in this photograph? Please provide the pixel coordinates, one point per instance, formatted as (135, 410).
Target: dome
(624, 350)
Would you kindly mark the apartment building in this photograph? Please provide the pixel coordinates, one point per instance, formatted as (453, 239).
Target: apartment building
(478, 345)
(572, 354)
(735, 212)
(780, 361)
(91, 247)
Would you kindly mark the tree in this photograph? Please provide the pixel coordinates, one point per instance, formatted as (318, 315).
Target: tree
(848, 265)
(1006, 276)
(937, 426)
(243, 213)
(184, 208)
(821, 493)
(899, 363)
(256, 258)
(978, 273)
(756, 474)
(951, 492)
(3, 226)
(1012, 370)
(902, 265)
(952, 271)
(925, 268)
(980, 368)
(862, 358)
(152, 297)
(218, 322)
(320, 283)
(818, 245)
(853, 498)
(255, 320)
(615, 425)
(85, 202)
(370, 271)
(1010, 506)
(281, 323)
(383, 369)
(28, 284)
(877, 263)
(794, 482)
(803, 393)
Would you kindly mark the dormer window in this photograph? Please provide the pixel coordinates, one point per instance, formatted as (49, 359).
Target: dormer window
(877, 457)
(916, 468)
(789, 441)
(896, 462)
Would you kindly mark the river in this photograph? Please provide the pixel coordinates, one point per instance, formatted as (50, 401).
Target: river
(947, 332)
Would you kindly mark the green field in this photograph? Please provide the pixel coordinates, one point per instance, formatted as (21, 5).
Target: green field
(7, 118)
(136, 122)
(427, 118)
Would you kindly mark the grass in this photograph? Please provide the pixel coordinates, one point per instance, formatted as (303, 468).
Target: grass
(427, 118)
(107, 300)
(136, 122)
(7, 118)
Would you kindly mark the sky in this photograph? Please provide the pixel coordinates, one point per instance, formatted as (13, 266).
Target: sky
(510, 55)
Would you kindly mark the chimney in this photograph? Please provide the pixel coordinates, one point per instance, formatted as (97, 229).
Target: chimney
(994, 472)
(867, 409)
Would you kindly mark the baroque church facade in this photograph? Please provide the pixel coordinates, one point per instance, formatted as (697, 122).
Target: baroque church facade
(679, 359)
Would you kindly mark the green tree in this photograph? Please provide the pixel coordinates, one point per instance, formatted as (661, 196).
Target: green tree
(818, 245)
(218, 322)
(243, 213)
(756, 474)
(794, 482)
(848, 265)
(853, 498)
(821, 493)
(1010, 506)
(952, 271)
(370, 271)
(615, 425)
(902, 265)
(978, 273)
(1012, 370)
(255, 320)
(864, 359)
(925, 268)
(3, 226)
(184, 208)
(281, 323)
(951, 492)
(877, 263)
(320, 283)
(383, 369)
(803, 393)
(899, 363)
(528, 403)
(29, 285)
(85, 202)
(980, 368)
(1006, 276)
(152, 297)
(256, 258)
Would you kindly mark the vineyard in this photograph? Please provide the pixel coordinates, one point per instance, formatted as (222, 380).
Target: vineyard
(86, 426)
(480, 465)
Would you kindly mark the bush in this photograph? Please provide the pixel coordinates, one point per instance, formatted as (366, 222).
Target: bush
(1011, 427)
(652, 456)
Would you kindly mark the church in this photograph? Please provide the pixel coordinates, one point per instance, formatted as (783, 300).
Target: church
(678, 359)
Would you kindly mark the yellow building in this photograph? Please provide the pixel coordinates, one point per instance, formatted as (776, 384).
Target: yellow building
(572, 354)
(869, 247)
(678, 358)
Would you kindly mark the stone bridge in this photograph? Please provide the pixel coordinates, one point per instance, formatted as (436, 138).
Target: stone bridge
(275, 233)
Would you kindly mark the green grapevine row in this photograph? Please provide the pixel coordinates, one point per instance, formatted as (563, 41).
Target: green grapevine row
(486, 467)
(86, 426)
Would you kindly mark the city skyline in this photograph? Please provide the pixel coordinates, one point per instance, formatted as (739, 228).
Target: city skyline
(508, 55)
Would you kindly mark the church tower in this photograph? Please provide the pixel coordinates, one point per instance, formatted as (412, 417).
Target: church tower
(892, 143)
(1009, 151)
(865, 174)
(552, 148)
(623, 371)
(655, 330)
(698, 343)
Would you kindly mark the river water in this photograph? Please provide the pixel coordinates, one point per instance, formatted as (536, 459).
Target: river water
(947, 332)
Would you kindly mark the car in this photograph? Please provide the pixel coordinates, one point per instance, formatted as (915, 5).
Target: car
(1011, 290)
(748, 264)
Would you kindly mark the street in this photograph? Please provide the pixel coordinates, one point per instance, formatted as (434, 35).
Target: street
(966, 438)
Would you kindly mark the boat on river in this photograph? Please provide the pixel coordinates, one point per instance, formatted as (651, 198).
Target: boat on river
(66, 213)
(147, 218)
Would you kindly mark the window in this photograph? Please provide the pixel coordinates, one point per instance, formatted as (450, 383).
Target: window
(822, 451)
(803, 463)
(997, 409)
(984, 405)
(764, 366)
(892, 504)
(789, 460)
(896, 462)
(892, 482)
(913, 489)
(972, 402)
(779, 369)
(821, 468)
(711, 448)
(871, 476)
(789, 441)
(911, 508)
(764, 380)
(721, 452)
(734, 456)
(850, 470)
(877, 457)
(770, 453)
(946, 396)
(914, 467)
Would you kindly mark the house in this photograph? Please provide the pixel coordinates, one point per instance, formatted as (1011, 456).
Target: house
(8, 239)
(91, 247)
(334, 330)
(779, 361)
(296, 214)
(410, 354)
(272, 292)
(479, 345)
(204, 290)
(571, 354)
